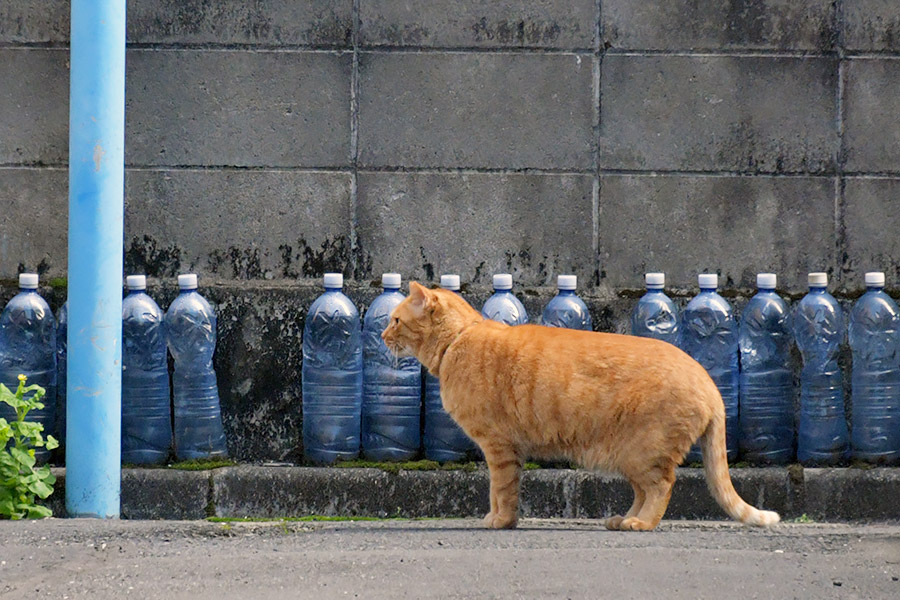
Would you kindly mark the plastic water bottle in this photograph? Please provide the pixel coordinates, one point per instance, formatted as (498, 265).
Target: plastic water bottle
(818, 324)
(767, 391)
(392, 387)
(655, 315)
(875, 342)
(444, 439)
(190, 325)
(28, 347)
(503, 306)
(710, 335)
(62, 364)
(146, 414)
(332, 376)
(566, 309)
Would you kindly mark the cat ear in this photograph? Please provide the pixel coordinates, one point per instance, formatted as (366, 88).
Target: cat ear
(419, 295)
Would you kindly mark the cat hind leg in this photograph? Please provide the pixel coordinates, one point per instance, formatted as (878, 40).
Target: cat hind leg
(657, 493)
(616, 521)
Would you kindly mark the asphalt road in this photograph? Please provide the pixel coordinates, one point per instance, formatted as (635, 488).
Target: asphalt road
(74, 558)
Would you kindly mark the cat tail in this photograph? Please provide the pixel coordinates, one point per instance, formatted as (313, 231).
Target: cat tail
(715, 463)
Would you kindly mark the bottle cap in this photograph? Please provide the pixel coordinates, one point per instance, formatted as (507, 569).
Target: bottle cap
(28, 281)
(708, 281)
(450, 282)
(875, 279)
(391, 280)
(817, 279)
(766, 281)
(334, 280)
(187, 281)
(567, 282)
(502, 281)
(137, 282)
(655, 281)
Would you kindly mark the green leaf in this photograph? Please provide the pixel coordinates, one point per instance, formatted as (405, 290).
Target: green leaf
(40, 488)
(51, 443)
(39, 512)
(8, 507)
(22, 457)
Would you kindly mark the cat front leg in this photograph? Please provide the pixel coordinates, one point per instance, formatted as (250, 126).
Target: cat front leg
(505, 468)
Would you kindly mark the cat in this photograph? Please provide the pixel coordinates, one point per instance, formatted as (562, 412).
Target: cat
(613, 402)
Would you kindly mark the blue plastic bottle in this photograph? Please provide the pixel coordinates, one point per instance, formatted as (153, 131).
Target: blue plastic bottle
(767, 383)
(190, 325)
(566, 309)
(655, 315)
(503, 306)
(146, 413)
(875, 342)
(818, 324)
(62, 364)
(710, 335)
(392, 387)
(28, 347)
(332, 376)
(444, 439)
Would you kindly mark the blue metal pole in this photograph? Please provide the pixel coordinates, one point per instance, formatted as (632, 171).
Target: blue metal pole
(96, 191)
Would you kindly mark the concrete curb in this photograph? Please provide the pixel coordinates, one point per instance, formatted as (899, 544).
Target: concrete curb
(837, 494)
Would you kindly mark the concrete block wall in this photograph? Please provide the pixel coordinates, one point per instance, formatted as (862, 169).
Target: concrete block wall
(271, 141)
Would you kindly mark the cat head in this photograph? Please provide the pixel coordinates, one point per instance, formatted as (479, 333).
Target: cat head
(426, 320)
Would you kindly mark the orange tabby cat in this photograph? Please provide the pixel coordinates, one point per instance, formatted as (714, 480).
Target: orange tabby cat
(618, 403)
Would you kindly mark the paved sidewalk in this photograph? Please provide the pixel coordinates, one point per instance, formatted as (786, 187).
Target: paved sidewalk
(197, 560)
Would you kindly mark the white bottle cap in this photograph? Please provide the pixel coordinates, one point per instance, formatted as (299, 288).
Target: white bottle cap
(655, 281)
(334, 280)
(817, 279)
(450, 282)
(502, 281)
(187, 281)
(766, 281)
(875, 279)
(28, 281)
(708, 281)
(137, 282)
(391, 280)
(567, 282)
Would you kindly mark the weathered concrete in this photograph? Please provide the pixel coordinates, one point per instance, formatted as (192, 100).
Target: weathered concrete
(872, 25)
(175, 219)
(715, 25)
(34, 107)
(871, 131)
(470, 110)
(184, 109)
(152, 494)
(479, 23)
(426, 224)
(734, 226)
(850, 494)
(836, 494)
(871, 217)
(707, 113)
(33, 220)
(281, 492)
(320, 23)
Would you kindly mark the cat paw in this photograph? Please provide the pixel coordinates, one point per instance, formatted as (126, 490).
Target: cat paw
(614, 523)
(496, 521)
(635, 524)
